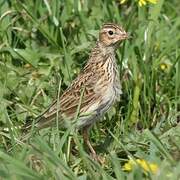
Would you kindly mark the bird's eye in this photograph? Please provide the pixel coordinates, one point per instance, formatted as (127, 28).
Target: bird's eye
(110, 33)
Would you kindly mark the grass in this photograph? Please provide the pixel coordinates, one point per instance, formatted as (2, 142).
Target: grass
(43, 46)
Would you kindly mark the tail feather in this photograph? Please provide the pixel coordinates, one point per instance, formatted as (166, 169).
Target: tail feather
(30, 123)
(38, 123)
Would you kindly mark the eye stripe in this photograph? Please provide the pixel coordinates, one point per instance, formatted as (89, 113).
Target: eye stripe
(111, 25)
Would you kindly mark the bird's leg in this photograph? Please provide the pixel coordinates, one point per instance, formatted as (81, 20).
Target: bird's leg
(85, 134)
(87, 142)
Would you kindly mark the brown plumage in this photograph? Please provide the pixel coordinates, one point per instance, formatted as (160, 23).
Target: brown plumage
(99, 82)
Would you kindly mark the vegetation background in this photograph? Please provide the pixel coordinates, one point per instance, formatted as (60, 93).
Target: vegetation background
(43, 46)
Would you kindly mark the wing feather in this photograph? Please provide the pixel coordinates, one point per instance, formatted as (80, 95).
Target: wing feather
(70, 99)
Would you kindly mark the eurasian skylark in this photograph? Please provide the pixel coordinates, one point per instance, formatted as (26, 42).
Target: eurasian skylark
(96, 88)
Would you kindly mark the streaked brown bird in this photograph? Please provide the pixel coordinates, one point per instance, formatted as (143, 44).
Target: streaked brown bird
(99, 82)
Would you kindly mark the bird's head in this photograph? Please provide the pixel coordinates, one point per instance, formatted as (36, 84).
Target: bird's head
(112, 34)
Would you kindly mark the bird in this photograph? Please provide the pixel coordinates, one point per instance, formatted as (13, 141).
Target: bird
(93, 91)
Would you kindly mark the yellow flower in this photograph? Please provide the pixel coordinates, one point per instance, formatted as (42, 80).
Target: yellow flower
(144, 2)
(146, 166)
(141, 2)
(163, 66)
(122, 1)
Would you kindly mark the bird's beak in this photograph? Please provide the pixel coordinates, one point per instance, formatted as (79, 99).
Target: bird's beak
(124, 36)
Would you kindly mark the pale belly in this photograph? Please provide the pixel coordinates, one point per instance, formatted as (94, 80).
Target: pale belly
(110, 95)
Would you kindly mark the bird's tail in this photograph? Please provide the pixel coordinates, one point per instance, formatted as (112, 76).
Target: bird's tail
(36, 124)
(31, 124)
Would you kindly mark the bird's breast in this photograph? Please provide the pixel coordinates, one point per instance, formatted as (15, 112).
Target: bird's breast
(108, 84)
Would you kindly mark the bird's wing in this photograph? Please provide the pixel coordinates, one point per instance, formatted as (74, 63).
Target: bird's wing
(70, 99)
